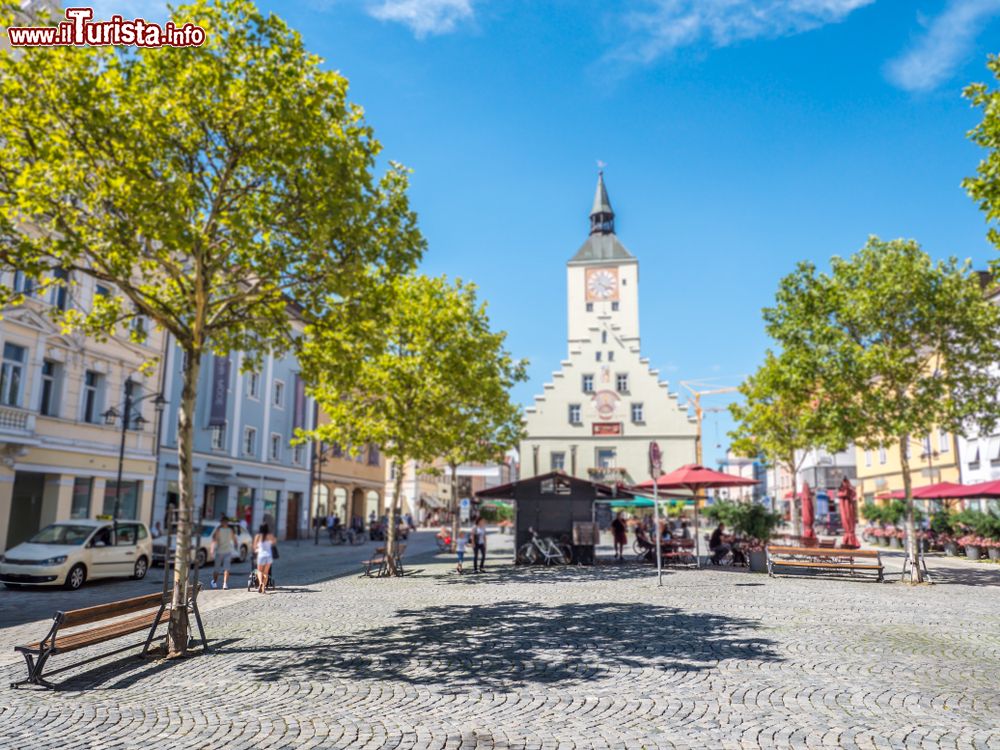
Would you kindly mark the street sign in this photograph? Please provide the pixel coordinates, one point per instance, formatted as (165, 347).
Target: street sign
(655, 460)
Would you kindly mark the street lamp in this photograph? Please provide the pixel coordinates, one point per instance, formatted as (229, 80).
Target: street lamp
(111, 416)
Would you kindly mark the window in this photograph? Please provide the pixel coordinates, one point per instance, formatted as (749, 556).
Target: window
(995, 454)
(12, 375)
(275, 446)
(249, 441)
(91, 394)
(597, 356)
(882, 457)
(373, 455)
(621, 382)
(927, 445)
(588, 383)
(637, 413)
(253, 385)
(606, 458)
(125, 534)
(138, 325)
(574, 413)
(218, 437)
(611, 356)
(82, 490)
(604, 337)
(944, 441)
(868, 458)
(134, 391)
(48, 405)
(59, 291)
(557, 461)
(392, 471)
(297, 454)
(590, 307)
(24, 284)
(974, 463)
(614, 307)
(279, 394)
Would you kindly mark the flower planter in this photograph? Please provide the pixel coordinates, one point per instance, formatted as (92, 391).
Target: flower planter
(758, 561)
(994, 553)
(895, 542)
(972, 552)
(951, 549)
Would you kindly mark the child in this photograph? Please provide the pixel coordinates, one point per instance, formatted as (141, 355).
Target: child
(460, 549)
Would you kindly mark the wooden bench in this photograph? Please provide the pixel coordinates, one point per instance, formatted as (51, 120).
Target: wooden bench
(378, 565)
(148, 612)
(823, 558)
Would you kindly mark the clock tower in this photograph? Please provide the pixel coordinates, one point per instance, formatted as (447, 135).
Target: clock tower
(602, 279)
(596, 417)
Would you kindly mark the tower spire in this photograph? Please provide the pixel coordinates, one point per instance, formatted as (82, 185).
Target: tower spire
(602, 217)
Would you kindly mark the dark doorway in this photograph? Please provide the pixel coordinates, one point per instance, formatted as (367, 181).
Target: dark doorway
(292, 515)
(26, 507)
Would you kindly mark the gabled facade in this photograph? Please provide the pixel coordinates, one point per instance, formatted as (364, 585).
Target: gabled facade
(596, 417)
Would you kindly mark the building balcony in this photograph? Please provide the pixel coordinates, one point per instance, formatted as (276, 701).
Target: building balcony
(16, 425)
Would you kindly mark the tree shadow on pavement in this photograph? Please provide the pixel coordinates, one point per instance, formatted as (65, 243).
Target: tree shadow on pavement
(511, 644)
(554, 574)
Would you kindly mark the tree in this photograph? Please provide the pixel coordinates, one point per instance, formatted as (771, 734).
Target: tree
(900, 345)
(217, 189)
(779, 418)
(436, 375)
(985, 188)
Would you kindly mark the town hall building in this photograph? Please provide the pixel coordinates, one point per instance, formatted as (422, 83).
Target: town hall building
(603, 407)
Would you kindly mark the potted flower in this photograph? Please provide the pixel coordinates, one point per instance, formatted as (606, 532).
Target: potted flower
(896, 538)
(949, 544)
(757, 525)
(993, 549)
(973, 546)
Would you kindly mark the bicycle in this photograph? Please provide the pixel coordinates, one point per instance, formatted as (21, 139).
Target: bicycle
(544, 549)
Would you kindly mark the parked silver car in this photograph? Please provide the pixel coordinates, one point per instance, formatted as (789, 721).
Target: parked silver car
(205, 553)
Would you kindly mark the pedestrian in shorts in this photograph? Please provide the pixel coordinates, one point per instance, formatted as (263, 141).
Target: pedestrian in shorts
(460, 549)
(224, 539)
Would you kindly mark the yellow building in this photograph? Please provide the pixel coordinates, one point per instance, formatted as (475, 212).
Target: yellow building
(933, 459)
(59, 445)
(348, 486)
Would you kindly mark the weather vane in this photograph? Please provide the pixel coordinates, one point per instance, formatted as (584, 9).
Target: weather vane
(601, 165)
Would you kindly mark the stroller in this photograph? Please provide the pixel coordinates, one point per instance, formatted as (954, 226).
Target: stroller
(253, 582)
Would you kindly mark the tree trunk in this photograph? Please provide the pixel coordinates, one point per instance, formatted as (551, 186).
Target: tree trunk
(455, 528)
(177, 632)
(912, 546)
(796, 516)
(390, 532)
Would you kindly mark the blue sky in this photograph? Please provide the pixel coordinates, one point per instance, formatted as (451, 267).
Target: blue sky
(740, 137)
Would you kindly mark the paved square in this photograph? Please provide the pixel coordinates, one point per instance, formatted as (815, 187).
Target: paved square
(545, 658)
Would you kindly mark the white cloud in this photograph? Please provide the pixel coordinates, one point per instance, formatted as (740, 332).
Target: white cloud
(948, 39)
(666, 25)
(424, 16)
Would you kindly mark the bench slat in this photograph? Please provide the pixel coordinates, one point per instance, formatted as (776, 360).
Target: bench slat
(74, 641)
(823, 552)
(839, 566)
(74, 617)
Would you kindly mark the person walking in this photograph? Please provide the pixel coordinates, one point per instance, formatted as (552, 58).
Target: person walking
(619, 532)
(460, 549)
(479, 546)
(263, 546)
(224, 541)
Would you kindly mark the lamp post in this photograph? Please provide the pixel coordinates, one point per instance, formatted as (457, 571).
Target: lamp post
(112, 415)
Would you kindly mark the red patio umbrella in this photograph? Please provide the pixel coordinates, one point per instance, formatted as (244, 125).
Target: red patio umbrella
(808, 514)
(848, 498)
(980, 489)
(939, 491)
(696, 479)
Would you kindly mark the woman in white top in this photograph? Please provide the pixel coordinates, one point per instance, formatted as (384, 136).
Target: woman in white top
(263, 544)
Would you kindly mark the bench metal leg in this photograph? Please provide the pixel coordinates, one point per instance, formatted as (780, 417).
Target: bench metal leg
(35, 664)
(201, 627)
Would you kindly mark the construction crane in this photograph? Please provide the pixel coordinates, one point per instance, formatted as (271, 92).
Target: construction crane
(694, 388)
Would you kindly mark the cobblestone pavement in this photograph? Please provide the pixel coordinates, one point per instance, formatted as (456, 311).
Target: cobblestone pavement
(552, 659)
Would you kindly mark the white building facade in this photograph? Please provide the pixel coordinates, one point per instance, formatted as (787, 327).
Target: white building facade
(604, 406)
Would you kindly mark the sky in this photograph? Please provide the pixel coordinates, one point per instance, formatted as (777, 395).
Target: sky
(739, 136)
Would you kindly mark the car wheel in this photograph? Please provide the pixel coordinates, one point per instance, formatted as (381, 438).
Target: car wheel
(201, 558)
(141, 566)
(243, 553)
(76, 576)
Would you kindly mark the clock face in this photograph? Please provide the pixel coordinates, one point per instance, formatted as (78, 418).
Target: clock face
(602, 284)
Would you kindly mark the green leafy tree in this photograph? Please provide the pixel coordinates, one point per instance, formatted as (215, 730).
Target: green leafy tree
(779, 418)
(985, 187)
(216, 188)
(436, 377)
(900, 346)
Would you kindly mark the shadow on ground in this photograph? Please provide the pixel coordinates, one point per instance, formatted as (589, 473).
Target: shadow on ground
(555, 574)
(512, 644)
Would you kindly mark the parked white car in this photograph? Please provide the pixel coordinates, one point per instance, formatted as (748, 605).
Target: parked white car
(205, 554)
(67, 553)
